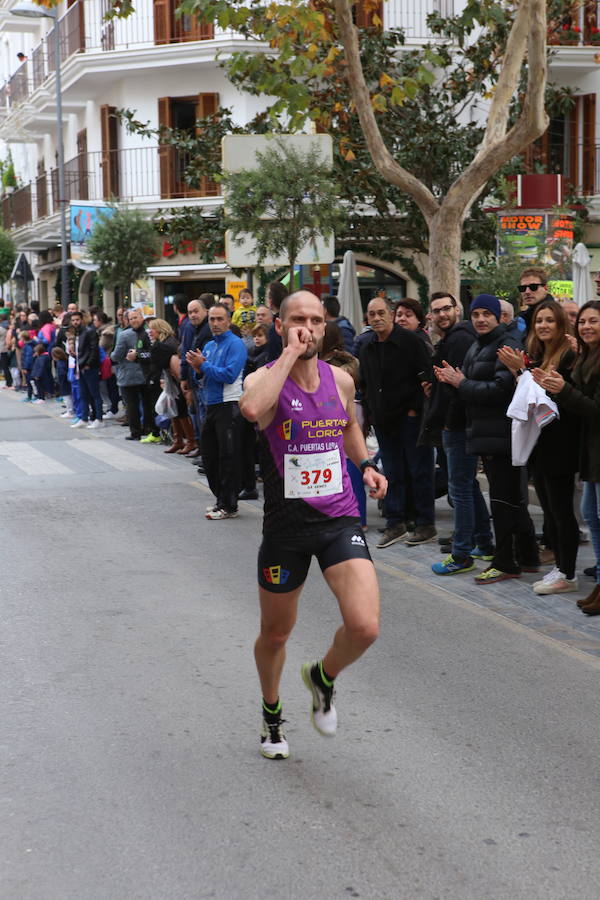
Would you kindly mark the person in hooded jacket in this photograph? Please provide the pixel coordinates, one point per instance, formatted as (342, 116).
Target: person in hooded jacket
(485, 386)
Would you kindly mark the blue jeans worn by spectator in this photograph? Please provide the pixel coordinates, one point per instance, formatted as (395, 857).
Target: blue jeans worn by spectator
(590, 510)
(403, 459)
(471, 516)
(91, 399)
(62, 370)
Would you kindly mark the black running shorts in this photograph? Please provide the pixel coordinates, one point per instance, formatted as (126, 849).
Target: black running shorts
(283, 563)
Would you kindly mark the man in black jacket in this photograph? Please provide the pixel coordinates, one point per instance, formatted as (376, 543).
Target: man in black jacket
(485, 386)
(88, 371)
(394, 363)
(533, 289)
(445, 425)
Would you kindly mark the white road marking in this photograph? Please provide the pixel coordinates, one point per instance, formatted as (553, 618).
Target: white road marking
(107, 452)
(31, 460)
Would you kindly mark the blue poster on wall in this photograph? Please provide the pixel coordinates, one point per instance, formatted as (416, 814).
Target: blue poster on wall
(83, 221)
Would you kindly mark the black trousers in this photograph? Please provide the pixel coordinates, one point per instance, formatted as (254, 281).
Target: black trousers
(4, 364)
(516, 545)
(248, 444)
(220, 452)
(555, 493)
(138, 397)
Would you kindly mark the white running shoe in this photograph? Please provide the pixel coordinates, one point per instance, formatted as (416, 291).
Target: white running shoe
(39, 400)
(79, 424)
(66, 414)
(323, 713)
(110, 415)
(552, 575)
(97, 423)
(560, 585)
(273, 744)
(222, 514)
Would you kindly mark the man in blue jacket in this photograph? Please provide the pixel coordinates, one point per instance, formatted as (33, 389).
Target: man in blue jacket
(221, 363)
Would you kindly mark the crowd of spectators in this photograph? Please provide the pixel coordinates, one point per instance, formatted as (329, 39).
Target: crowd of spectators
(447, 397)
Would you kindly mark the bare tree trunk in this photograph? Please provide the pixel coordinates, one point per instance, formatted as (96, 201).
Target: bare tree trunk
(445, 219)
(445, 235)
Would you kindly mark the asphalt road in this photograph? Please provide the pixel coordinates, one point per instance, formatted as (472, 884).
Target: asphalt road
(464, 765)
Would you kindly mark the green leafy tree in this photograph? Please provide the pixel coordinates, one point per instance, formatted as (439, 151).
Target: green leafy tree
(287, 201)
(8, 256)
(123, 245)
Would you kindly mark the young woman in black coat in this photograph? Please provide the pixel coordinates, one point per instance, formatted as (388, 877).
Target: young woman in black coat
(582, 398)
(555, 458)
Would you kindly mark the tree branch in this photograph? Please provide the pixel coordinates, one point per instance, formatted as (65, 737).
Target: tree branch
(497, 147)
(384, 162)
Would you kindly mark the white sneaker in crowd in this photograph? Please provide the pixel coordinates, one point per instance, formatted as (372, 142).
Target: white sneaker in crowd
(560, 585)
(78, 424)
(97, 423)
(110, 415)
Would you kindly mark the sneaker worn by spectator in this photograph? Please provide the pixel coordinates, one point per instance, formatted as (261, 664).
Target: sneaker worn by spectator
(451, 566)
(151, 439)
(560, 584)
(421, 535)
(491, 575)
(392, 535)
(217, 514)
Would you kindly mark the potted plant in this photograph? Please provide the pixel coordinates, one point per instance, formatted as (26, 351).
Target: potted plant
(569, 35)
(594, 36)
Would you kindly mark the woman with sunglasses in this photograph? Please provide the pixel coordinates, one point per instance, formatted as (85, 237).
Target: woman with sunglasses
(555, 457)
(582, 398)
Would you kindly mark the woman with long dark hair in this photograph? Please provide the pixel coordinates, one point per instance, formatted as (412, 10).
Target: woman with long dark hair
(555, 457)
(582, 398)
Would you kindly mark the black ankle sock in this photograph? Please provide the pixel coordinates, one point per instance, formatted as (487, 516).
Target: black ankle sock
(272, 710)
(325, 680)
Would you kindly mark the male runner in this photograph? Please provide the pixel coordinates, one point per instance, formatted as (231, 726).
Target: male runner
(304, 410)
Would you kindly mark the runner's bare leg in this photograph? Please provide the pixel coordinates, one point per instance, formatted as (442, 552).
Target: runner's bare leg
(355, 586)
(277, 618)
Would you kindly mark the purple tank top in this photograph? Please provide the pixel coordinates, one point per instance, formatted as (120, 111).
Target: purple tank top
(306, 480)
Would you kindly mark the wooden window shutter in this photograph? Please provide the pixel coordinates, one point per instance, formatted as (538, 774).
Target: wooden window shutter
(589, 143)
(163, 20)
(166, 154)
(109, 164)
(207, 105)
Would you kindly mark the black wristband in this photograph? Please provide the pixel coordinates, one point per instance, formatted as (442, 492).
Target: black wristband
(367, 464)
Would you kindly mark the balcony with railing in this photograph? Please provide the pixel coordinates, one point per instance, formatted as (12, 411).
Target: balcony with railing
(84, 28)
(411, 16)
(135, 175)
(17, 208)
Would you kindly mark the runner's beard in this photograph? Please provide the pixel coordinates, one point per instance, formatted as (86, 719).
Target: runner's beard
(312, 351)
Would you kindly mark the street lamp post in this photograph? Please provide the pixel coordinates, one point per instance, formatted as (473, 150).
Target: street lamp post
(44, 12)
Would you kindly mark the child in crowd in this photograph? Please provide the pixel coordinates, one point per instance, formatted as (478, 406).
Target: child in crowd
(245, 315)
(41, 373)
(73, 379)
(257, 354)
(61, 365)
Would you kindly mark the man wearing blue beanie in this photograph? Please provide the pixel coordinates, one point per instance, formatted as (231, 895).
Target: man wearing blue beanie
(485, 387)
(489, 302)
